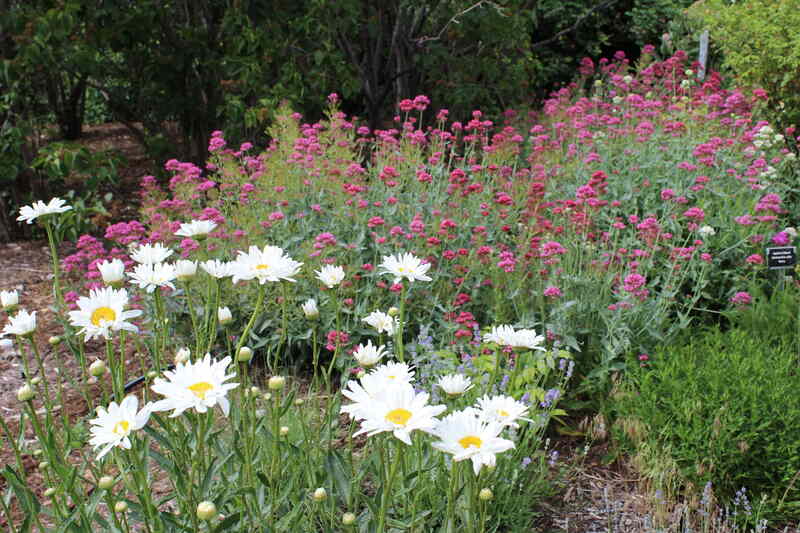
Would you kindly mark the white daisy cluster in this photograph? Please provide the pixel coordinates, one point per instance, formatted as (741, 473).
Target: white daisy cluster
(385, 400)
(39, 209)
(766, 137)
(405, 266)
(382, 322)
(505, 335)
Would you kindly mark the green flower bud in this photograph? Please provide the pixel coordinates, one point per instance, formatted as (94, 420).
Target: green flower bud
(55, 340)
(49, 492)
(320, 495)
(486, 494)
(106, 482)
(206, 510)
(25, 393)
(97, 368)
(393, 312)
(35, 381)
(121, 507)
(244, 355)
(284, 431)
(276, 382)
(348, 519)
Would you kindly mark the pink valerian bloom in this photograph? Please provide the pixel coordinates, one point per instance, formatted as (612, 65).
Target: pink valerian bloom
(695, 213)
(754, 259)
(633, 282)
(336, 339)
(781, 238)
(741, 299)
(552, 292)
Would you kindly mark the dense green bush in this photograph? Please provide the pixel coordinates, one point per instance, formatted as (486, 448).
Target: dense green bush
(761, 46)
(723, 408)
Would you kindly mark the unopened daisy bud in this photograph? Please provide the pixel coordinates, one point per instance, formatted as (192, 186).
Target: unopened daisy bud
(106, 482)
(267, 396)
(49, 492)
(276, 382)
(182, 355)
(25, 393)
(284, 431)
(185, 269)
(361, 374)
(9, 300)
(320, 495)
(206, 510)
(224, 315)
(37, 453)
(486, 494)
(348, 519)
(244, 355)
(44, 465)
(298, 402)
(54, 340)
(689, 72)
(255, 391)
(35, 381)
(627, 79)
(310, 309)
(598, 83)
(121, 507)
(152, 374)
(113, 272)
(393, 312)
(97, 368)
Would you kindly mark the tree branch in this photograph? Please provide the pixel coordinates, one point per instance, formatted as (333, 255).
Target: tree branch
(574, 27)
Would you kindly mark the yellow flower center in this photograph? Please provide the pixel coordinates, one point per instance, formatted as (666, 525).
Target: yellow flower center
(103, 314)
(503, 413)
(470, 440)
(262, 267)
(401, 269)
(200, 389)
(399, 416)
(121, 427)
(391, 377)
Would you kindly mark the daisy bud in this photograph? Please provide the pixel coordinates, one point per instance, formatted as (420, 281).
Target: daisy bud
(299, 401)
(276, 382)
(255, 391)
(361, 374)
(485, 495)
(35, 381)
(284, 431)
(106, 482)
(55, 340)
(121, 507)
(37, 453)
(206, 510)
(113, 272)
(25, 393)
(310, 309)
(348, 519)
(320, 495)
(43, 465)
(183, 355)
(244, 355)
(267, 396)
(152, 374)
(185, 270)
(9, 300)
(49, 492)
(97, 368)
(224, 315)
(393, 312)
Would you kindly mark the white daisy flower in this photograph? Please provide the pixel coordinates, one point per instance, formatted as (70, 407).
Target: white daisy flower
(103, 312)
(185, 269)
(504, 410)
(363, 393)
(465, 435)
(149, 276)
(9, 300)
(196, 228)
(29, 213)
(113, 271)
(199, 385)
(405, 266)
(269, 264)
(21, 324)
(400, 410)
(382, 322)
(113, 426)
(330, 275)
(394, 372)
(367, 355)
(150, 254)
(502, 335)
(455, 384)
(706, 231)
(310, 309)
(216, 268)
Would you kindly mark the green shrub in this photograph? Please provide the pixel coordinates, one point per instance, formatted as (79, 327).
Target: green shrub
(723, 408)
(761, 45)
